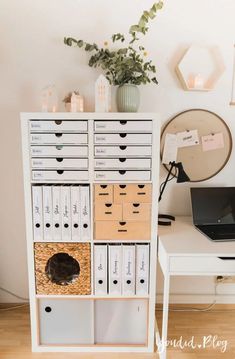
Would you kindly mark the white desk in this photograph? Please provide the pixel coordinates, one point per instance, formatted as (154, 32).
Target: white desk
(183, 250)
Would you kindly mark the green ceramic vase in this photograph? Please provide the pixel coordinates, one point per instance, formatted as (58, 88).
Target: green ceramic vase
(128, 98)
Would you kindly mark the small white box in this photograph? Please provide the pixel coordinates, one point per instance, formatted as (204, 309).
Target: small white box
(123, 151)
(59, 163)
(58, 138)
(123, 175)
(123, 126)
(123, 163)
(58, 126)
(60, 175)
(123, 138)
(59, 151)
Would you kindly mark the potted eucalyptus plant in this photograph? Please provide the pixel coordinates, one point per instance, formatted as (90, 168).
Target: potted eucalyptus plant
(126, 67)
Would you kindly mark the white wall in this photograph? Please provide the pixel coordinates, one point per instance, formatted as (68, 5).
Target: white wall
(32, 55)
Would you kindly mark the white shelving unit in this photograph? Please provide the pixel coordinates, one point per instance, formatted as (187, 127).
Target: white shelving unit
(84, 149)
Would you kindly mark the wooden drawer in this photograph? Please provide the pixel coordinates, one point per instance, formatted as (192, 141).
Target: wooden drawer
(123, 163)
(58, 138)
(108, 212)
(59, 175)
(194, 264)
(123, 126)
(123, 138)
(103, 193)
(77, 163)
(58, 126)
(123, 151)
(59, 151)
(122, 230)
(123, 175)
(132, 193)
(136, 211)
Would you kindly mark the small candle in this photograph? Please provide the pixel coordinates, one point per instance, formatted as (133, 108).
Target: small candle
(198, 81)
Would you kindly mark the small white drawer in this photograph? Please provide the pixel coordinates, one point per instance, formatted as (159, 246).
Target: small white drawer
(59, 175)
(59, 151)
(120, 163)
(123, 138)
(123, 151)
(58, 126)
(123, 175)
(194, 264)
(59, 163)
(58, 138)
(123, 126)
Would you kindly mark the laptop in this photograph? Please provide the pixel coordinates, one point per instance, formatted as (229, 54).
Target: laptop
(214, 212)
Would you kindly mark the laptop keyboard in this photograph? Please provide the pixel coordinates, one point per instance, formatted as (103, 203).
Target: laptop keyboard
(219, 232)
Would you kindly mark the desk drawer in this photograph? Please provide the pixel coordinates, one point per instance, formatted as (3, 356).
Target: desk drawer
(123, 175)
(122, 163)
(104, 193)
(123, 126)
(59, 175)
(59, 151)
(123, 151)
(108, 212)
(132, 193)
(122, 230)
(58, 163)
(193, 264)
(58, 138)
(136, 211)
(123, 138)
(58, 126)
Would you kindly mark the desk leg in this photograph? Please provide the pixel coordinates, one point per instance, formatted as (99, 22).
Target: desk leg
(166, 294)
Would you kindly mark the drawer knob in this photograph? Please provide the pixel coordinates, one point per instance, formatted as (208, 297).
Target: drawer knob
(48, 309)
(122, 223)
(115, 281)
(122, 135)
(141, 185)
(58, 122)
(122, 148)
(59, 159)
(59, 147)
(136, 204)
(103, 186)
(58, 134)
(60, 172)
(108, 204)
(122, 172)
(122, 186)
(122, 122)
(122, 159)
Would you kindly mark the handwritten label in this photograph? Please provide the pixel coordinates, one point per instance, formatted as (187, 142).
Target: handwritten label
(212, 142)
(187, 138)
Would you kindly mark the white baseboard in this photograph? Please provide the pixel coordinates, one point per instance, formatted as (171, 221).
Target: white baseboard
(178, 298)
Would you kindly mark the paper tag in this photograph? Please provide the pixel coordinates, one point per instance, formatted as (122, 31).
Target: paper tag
(170, 149)
(212, 142)
(187, 138)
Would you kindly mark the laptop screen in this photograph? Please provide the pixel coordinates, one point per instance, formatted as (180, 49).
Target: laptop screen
(213, 205)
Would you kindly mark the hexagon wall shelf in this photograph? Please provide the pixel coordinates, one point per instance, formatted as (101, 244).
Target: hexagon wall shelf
(200, 68)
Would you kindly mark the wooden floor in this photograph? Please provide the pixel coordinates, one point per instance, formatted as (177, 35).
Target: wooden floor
(15, 336)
